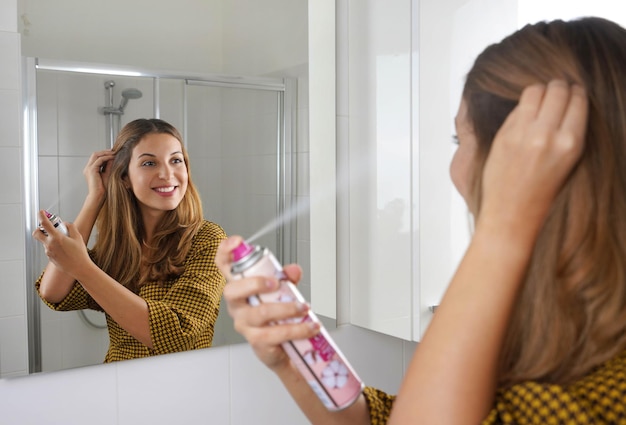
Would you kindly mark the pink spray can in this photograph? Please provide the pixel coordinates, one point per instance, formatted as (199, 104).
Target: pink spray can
(56, 221)
(318, 359)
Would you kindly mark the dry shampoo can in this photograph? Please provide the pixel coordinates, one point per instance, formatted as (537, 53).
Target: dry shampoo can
(56, 221)
(318, 359)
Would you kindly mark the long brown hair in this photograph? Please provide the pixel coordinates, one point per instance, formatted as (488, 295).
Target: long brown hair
(118, 248)
(571, 313)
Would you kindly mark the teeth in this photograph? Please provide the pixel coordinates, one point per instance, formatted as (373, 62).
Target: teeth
(165, 189)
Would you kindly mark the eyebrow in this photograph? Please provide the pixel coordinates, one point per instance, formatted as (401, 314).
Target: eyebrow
(153, 155)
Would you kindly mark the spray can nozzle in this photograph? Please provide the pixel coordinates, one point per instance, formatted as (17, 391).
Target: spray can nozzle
(243, 249)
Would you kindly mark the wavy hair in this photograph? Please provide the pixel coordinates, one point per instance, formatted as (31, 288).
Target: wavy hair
(120, 227)
(571, 313)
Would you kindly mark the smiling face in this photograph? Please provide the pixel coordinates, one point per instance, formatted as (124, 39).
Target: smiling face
(157, 174)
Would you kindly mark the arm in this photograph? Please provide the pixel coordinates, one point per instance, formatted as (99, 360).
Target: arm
(453, 375)
(70, 258)
(255, 324)
(54, 284)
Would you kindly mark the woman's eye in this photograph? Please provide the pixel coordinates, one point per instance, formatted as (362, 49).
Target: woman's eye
(147, 163)
(177, 160)
(455, 139)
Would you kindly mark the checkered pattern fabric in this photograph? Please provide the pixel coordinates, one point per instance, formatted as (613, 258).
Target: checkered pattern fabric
(379, 405)
(599, 399)
(183, 311)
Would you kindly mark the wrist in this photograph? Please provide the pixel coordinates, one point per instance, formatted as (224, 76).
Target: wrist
(506, 239)
(95, 200)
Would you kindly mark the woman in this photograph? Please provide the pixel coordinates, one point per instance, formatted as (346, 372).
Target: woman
(532, 328)
(152, 268)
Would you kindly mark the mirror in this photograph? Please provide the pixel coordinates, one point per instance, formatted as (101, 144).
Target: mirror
(206, 48)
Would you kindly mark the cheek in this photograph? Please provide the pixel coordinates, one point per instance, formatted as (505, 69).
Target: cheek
(460, 172)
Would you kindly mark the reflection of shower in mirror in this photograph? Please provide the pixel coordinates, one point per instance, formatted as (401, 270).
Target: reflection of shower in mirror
(113, 113)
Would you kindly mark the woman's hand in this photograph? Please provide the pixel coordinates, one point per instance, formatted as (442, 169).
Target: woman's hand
(66, 253)
(533, 153)
(258, 323)
(97, 172)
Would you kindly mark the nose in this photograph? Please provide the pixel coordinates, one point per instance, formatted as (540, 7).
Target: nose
(165, 172)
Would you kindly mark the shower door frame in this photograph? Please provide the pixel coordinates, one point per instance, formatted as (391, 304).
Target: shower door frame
(286, 163)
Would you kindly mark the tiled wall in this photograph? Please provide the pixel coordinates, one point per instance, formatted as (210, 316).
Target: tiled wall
(12, 281)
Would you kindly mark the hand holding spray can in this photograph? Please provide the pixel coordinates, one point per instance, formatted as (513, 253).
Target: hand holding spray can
(56, 221)
(318, 359)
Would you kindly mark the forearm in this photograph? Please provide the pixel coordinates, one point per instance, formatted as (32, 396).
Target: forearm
(452, 377)
(129, 310)
(313, 408)
(56, 284)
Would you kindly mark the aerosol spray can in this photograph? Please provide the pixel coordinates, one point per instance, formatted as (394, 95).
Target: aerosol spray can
(56, 221)
(318, 359)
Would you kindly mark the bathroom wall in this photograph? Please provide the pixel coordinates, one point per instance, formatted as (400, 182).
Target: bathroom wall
(12, 295)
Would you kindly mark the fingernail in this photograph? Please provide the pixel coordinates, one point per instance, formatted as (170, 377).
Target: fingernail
(270, 284)
(314, 326)
(302, 307)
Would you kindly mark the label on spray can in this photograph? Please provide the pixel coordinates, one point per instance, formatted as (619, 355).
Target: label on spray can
(318, 358)
(56, 221)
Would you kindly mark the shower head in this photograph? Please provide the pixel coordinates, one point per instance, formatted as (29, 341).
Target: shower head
(129, 94)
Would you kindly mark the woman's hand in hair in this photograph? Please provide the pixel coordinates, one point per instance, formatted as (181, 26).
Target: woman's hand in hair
(97, 172)
(533, 154)
(258, 323)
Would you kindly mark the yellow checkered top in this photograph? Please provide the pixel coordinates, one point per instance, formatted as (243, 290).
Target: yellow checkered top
(182, 311)
(598, 398)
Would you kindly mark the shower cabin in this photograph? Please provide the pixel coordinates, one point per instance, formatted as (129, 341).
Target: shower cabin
(240, 136)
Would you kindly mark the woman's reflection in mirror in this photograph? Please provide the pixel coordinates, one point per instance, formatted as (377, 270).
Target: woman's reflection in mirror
(151, 269)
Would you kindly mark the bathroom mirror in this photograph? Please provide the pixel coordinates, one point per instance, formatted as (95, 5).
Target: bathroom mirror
(173, 63)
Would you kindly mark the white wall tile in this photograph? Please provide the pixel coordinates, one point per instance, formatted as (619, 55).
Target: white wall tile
(14, 345)
(258, 395)
(72, 186)
(51, 342)
(10, 54)
(303, 184)
(12, 241)
(81, 344)
(48, 183)
(47, 119)
(9, 118)
(207, 175)
(81, 127)
(12, 289)
(10, 175)
(182, 388)
(8, 17)
(70, 397)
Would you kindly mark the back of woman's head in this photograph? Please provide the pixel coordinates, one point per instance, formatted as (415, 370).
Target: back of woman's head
(572, 310)
(120, 225)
